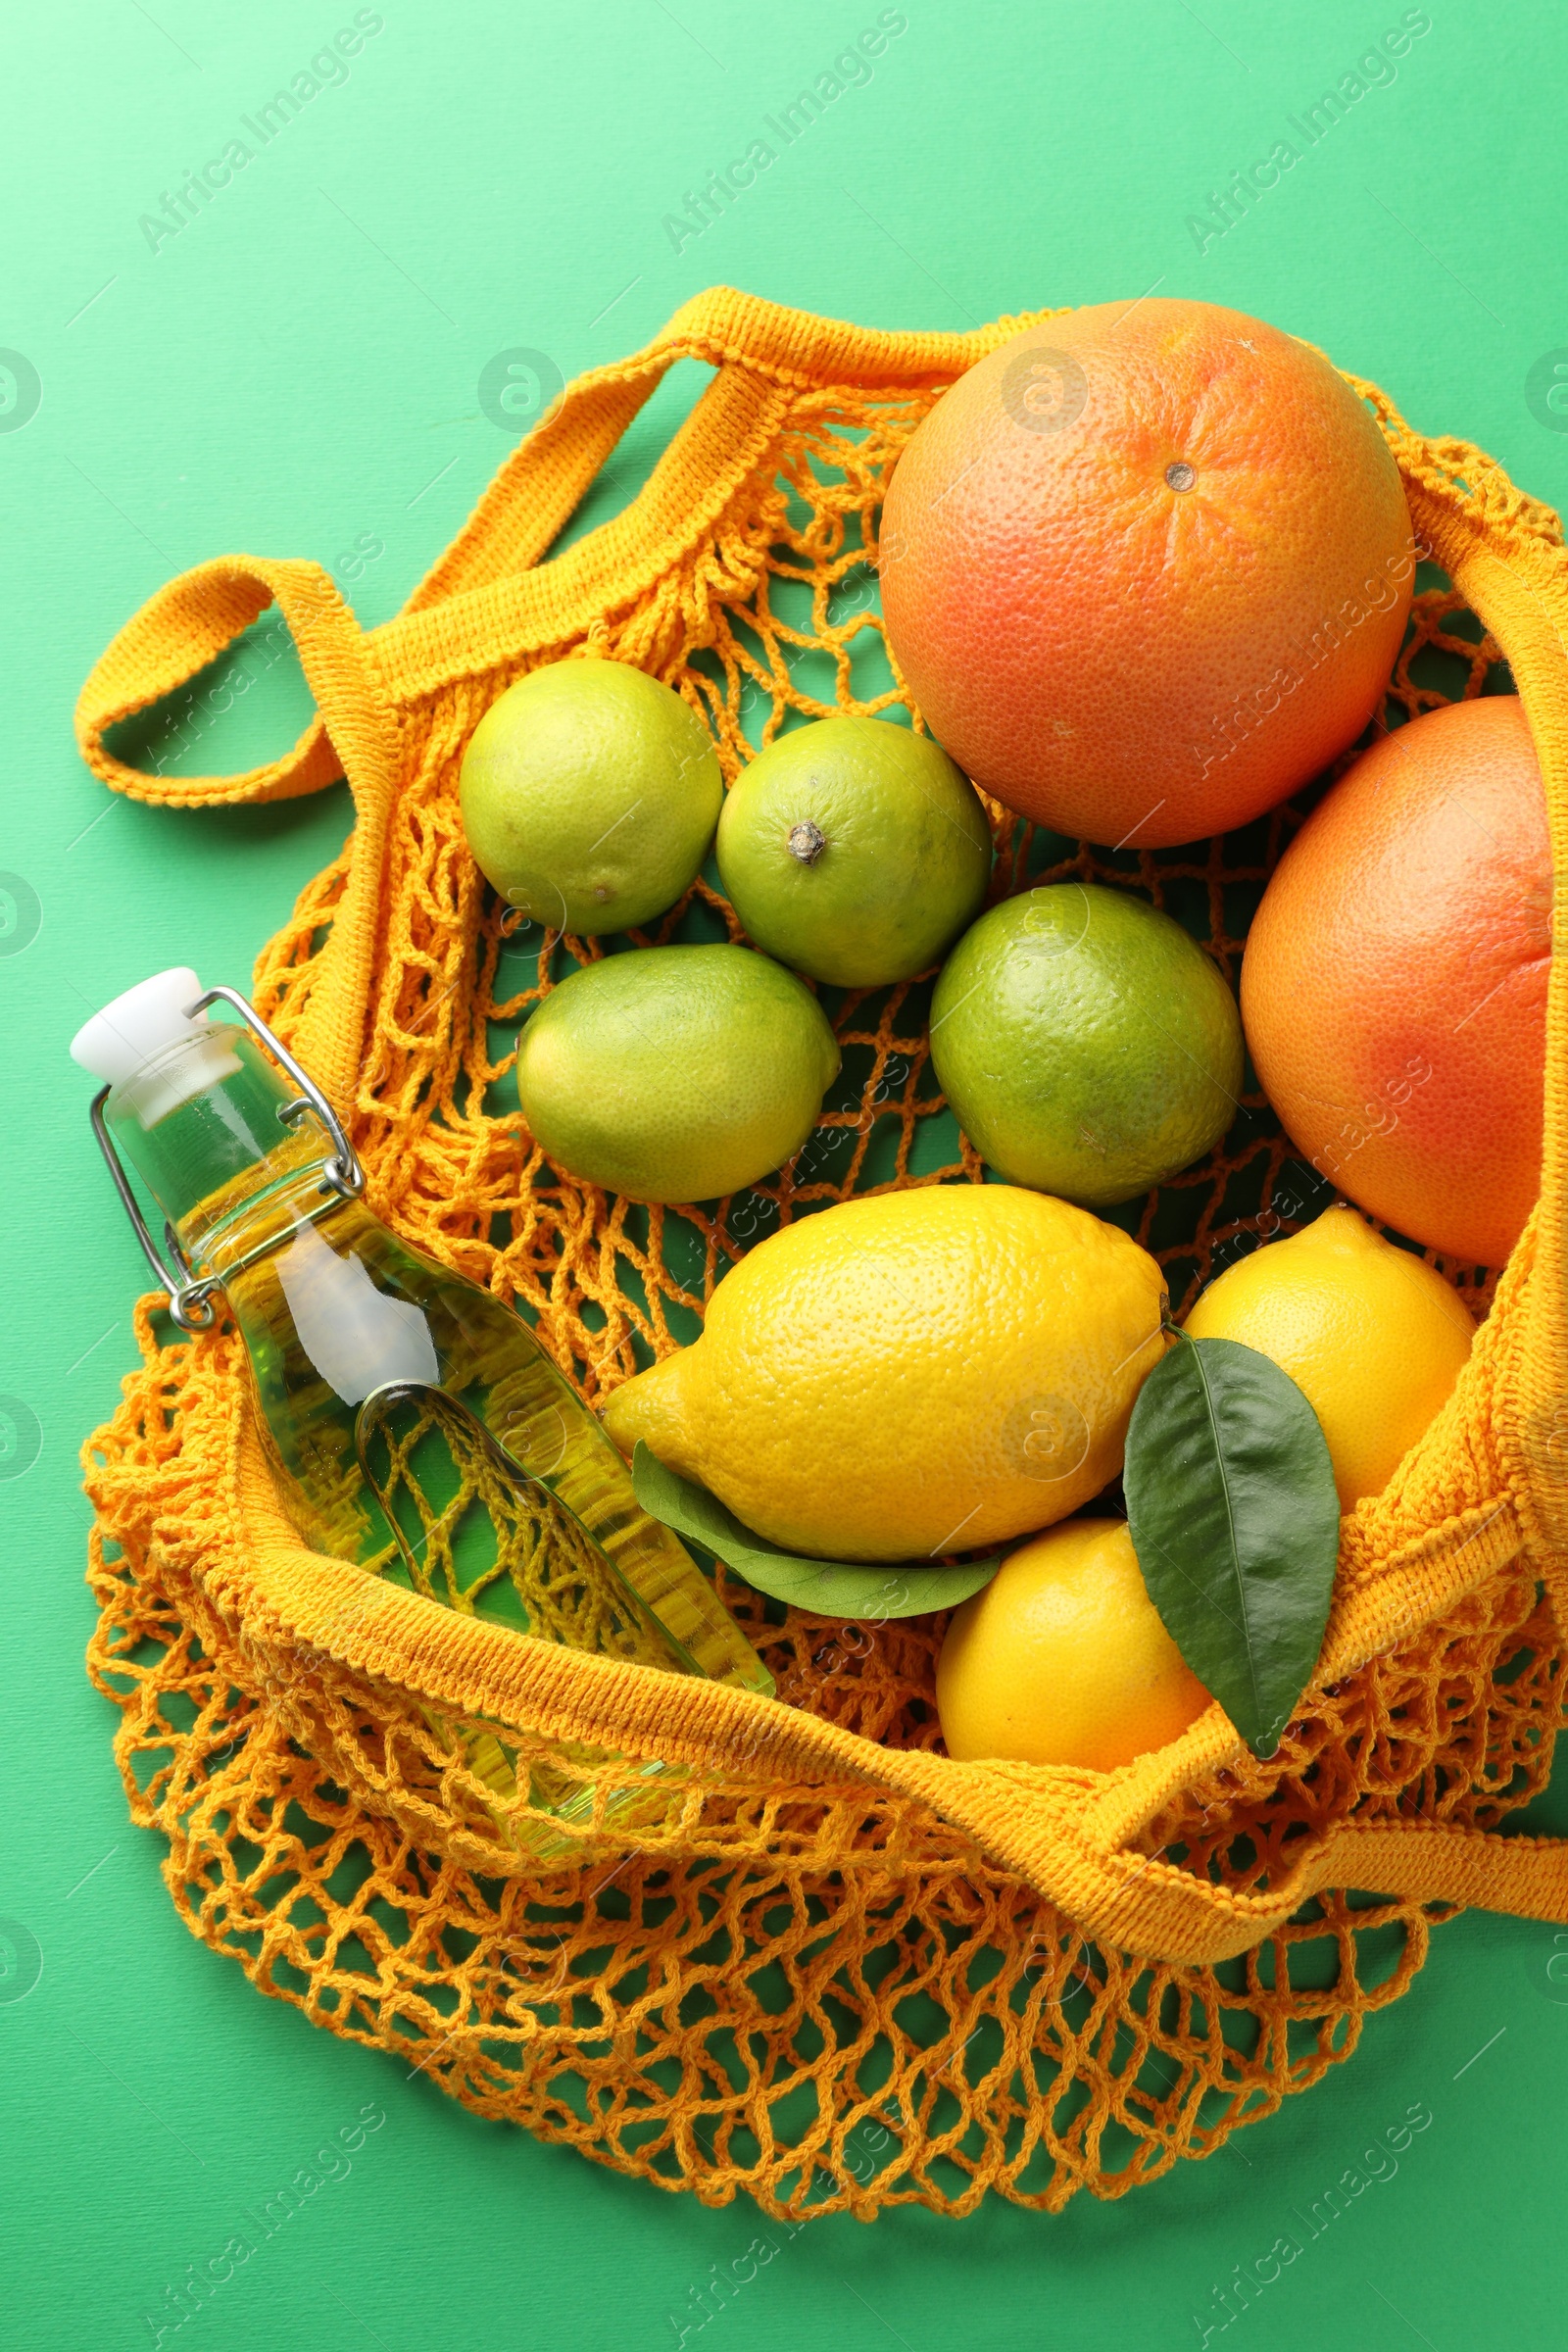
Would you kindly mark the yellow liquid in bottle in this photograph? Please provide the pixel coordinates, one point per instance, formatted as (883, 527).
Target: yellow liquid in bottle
(420, 1427)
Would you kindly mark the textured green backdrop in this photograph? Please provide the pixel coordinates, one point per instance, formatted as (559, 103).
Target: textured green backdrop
(299, 367)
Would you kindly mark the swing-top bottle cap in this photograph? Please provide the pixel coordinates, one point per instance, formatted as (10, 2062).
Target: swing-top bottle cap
(158, 1051)
(116, 1042)
(137, 1042)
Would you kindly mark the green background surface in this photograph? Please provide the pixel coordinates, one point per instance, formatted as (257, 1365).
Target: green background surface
(296, 372)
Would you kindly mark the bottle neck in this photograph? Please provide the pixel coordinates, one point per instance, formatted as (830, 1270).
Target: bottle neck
(200, 1123)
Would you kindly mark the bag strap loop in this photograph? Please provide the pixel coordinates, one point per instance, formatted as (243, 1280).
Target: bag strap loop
(183, 628)
(491, 600)
(354, 734)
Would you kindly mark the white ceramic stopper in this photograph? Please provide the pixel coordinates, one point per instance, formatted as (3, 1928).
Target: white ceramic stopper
(134, 1027)
(138, 1027)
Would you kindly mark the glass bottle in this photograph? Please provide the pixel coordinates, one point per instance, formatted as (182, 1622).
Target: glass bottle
(416, 1424)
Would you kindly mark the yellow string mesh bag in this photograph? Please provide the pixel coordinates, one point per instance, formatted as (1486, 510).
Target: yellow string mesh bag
(838, 1970)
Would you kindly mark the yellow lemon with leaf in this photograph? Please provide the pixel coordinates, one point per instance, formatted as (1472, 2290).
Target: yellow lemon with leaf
(909, 1375)
(1373, 1337)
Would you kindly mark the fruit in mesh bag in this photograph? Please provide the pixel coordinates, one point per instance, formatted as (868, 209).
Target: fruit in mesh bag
(854, 851)
(1146, 570)
(1374, 1338)
(589, 792)
(676, 1074)
(910, 1374)
(1063, 1658)
(1085, 1043)
(1394, 989)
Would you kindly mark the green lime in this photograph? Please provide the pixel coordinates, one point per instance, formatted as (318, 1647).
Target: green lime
(1087, 1046)
(854, 851)
(589, 792)
(675, 1073)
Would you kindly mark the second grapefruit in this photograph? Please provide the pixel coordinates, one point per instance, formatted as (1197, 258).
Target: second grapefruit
(1394, 989)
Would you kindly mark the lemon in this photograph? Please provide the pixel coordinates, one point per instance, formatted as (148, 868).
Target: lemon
(675, 1073)
(590, 793)
(1373, 1337)
(1085, 1043)
(854, 850)
(912, 1374)
(1063, 1658)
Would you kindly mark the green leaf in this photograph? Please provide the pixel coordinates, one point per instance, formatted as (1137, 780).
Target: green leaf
(827, 1588)
(1233, 1513)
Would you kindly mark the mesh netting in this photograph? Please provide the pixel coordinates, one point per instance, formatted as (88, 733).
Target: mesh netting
(820, 1992)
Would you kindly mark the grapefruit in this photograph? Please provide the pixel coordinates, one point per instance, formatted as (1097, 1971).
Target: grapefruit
(1146, 570)
(1394, 989)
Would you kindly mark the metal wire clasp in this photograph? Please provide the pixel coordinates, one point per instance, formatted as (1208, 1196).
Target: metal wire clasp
(189, 1298)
